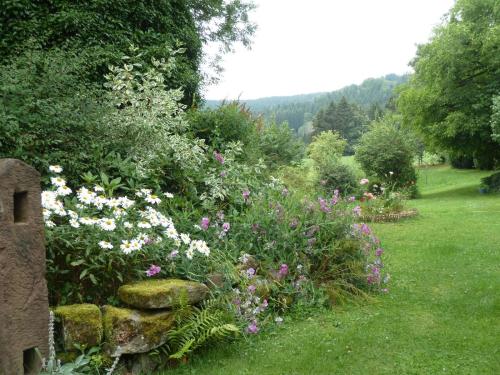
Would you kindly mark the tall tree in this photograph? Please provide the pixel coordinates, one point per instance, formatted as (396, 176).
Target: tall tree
(347, 119)
(457, 74)
(103, 30)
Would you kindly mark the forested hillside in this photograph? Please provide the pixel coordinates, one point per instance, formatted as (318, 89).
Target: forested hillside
(297, 110)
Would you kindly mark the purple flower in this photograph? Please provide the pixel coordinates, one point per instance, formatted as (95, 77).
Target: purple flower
(226, 227)
(365, 229)
(174, 253)
(352, 199)
(252, 288)
(153, 270)
(357, 210)
(252, 328)
(218, 156)
(379, 252)
(205, 222)
(283, 270)
(250, 272)
(323, 205)
(246, 195)
(294, 223)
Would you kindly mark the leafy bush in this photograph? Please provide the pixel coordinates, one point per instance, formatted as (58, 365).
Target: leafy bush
(339, 176)
(47, 113)
(279, 145)
(491, 183)
(326, 148)
(228, 123)
(386, 153)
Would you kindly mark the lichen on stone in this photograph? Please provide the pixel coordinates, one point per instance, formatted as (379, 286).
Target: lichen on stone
(81, 325)
(129, 331)
(155, 294)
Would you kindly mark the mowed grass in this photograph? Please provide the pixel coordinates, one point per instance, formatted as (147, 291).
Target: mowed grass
(442, 315)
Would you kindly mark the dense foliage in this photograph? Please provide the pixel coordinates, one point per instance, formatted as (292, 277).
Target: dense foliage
(450, 97)
(102, 30)
(347, 119)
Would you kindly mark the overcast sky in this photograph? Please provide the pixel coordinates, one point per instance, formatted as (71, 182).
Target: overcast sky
(305, 46)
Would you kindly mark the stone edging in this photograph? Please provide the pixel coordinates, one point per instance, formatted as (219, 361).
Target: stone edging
(390, 217)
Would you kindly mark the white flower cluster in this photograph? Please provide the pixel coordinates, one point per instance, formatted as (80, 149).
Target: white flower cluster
(144, 225)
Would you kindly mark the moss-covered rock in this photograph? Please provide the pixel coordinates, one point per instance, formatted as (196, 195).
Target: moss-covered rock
(159, 294)
(81, 325)
(128, 331)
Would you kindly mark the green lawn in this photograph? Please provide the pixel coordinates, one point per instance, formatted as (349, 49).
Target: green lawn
(442, 315)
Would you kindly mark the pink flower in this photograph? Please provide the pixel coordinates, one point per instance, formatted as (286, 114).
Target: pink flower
(218, 156)
(153, 270)
(250, 272)
(379, 252)
(365, 229)
(226, 227)
(252, 328)
(246, 195)
(283, 270)
(364, 181)
(352, 199)
(252, 288)
(357, 210)
(205, 222)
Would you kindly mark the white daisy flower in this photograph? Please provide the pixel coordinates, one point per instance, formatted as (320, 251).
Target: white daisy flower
(107, 224)
(98, 188)
(87, 221)
(126, 247)
(168, 195)
(190, 253)
(144, 224)
(105, 245)
(74, 223)
(55, 168)
(63, 190)
(127, 225)
(153, 199)
(50, 224)
(58, 181)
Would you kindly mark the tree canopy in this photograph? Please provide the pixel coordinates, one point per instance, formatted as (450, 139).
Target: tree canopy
(103, 30)
(449, 99)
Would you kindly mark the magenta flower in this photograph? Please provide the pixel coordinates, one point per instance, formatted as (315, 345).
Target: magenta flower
(252, 328)
(246, 195)
(226, 227)
(205, 222)
(365, 229)
(218, 156)
(283, 270)
(379, 252)
(250, 272)
(153, 270)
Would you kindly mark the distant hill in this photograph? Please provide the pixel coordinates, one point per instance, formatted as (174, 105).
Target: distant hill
(297, 110)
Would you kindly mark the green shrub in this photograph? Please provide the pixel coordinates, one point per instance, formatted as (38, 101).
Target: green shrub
(339, 176)
(387, 153)
(491, 183)
(279, 145)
